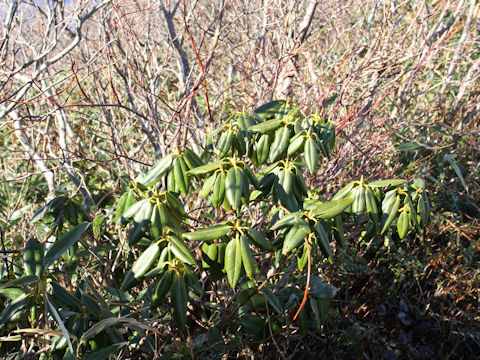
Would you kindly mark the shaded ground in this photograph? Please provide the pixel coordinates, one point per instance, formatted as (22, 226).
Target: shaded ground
(414, 300)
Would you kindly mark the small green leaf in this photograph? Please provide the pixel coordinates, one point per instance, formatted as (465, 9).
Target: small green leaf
(392, 213)
(134, 208)
(208, 234)
(259, 240)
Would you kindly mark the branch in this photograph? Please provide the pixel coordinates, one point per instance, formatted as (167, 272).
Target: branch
(22, 137)
(62, 123)
(283, 87)
(182, 55)
(47, 63)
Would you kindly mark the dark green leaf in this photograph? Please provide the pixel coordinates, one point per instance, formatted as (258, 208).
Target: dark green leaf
(409, 146)
(64, 243)
(14, 309)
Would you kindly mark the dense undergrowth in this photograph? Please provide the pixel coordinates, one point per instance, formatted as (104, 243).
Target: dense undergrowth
(415, 299)
(399, 83)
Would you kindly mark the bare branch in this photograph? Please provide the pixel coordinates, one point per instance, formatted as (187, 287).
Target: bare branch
(22, 137)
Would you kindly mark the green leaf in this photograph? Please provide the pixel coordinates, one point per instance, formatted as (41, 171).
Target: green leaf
(328, 210)
(269, 110)
(252, 323)
(60, 294)
(323, 241)
(120, 206)
(338, 231)
(233, 261)
(267, 126)
(208, 234)
(17, 214)
(52, 205)
(393, 211)
(24, 280)
(181, 251)
(161, 289)
(205, 169)
(14, 309)
(385, 183)
(134, 209)
(175, 205)
(294, 238)
(403, 223)
(125, 202)
(157, 171)
(178, 294)
(345, 191)
(12, 293)
(92, 305)
(294, 218)
(64, 243)
(249, 263)
(259, 240)
(146, 261)
(60, 322)
(33, 258)
(273, 300)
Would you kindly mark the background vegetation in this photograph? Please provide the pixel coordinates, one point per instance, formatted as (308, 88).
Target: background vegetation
(93, 93)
